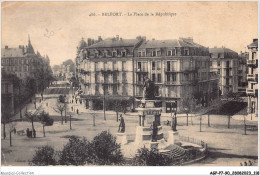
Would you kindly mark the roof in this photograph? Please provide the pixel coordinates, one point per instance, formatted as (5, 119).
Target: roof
(12, 52)
(115, 43)
(169, 43)
(254, 44)
(221, 50)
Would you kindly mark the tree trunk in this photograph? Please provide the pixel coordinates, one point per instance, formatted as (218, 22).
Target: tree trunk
(65, 115)
(35, 101)
(32, 124)
(200, 123)
(94, 124)
(104, 107)
(43, 130)
(187, 119)
(229, 121)
(4, 131)
(10, 138)
(61, 118)
(117, 116)
(208, 120)
(20, 107)
(245, 129)
(70, 123)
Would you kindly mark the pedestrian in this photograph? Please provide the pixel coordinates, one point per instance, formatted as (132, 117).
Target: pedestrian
(77, 111)
(71, 108)
(14, 131)
(250, 163)
(72, 101)
(241, 164)
(34, 133)
(245, 163)
(76, 101)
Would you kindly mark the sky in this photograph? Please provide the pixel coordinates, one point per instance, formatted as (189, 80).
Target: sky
(55, 28)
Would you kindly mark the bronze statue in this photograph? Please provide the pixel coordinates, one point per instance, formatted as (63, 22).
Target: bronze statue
(174, 122)
(155, 131)
(148, 89)
(121, 128)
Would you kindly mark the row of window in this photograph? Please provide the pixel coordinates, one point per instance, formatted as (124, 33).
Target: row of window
(20, 69)
(15, 61)
(157, 53)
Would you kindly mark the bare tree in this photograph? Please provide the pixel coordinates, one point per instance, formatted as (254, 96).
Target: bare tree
(45, 120)
(61, 106)
(93, 114)
(188, 103)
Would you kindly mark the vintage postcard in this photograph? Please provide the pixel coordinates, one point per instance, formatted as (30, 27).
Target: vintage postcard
(129, 84)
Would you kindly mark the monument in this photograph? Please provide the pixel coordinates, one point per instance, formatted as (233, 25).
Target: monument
(149, 131)
(121, 136)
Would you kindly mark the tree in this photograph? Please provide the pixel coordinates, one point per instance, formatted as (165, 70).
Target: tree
(44, 156)
(118, 108)
(76, 152)
(105, 149)
(232, 99)
(31, 116)
(152, 157)
(45, 120)
(188, 103)
(70, 63)
(93, 114)
(61, 106)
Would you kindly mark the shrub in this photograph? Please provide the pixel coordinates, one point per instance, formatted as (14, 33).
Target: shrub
(147, 157)
(76, 152)
(44, 156)
(106, 150)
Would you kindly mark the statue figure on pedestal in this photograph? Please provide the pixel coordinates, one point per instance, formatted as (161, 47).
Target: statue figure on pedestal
(121, 128)
(148, 89)
(174, 120)
(155, 131)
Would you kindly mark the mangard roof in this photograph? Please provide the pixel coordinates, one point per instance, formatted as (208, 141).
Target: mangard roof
(115, 43)
(168, 43)
(221, 50)
(12, 52)
(254, 44)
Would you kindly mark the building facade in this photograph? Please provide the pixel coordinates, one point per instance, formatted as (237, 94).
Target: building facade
(117, 67)
(224, 62)
(242, 72)
(252, 77)
(23, 61)
(7, 97)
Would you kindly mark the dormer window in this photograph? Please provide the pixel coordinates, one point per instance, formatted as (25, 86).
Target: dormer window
(123, 53)
(174, 52)
(153, 53)
(169, 53)
(139, 54)
(186, 52)
(158, 52)
(114, 53)
(96, 53)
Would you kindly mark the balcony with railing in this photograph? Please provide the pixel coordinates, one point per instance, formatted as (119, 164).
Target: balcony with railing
(252, 62)
(252, 77)
(169, 70)
(252, 92)
(141, 70)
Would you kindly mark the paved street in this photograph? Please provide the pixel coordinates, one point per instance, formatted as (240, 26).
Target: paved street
(223, 143)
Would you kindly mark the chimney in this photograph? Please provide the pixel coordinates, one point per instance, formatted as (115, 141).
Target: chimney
(89, 41)
(99, 38)
(6, 46)
(117, 37)
(255, 40)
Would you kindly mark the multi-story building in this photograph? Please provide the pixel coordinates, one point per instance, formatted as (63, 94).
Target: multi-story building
(23, 61)
(7, 97)
(224, 62)
(242, 72)
(119, 66)
(252, 77)
(178, 68)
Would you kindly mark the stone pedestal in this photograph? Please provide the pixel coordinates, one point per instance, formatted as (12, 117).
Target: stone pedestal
(153, 145)
(173, 137)
(121, 138)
